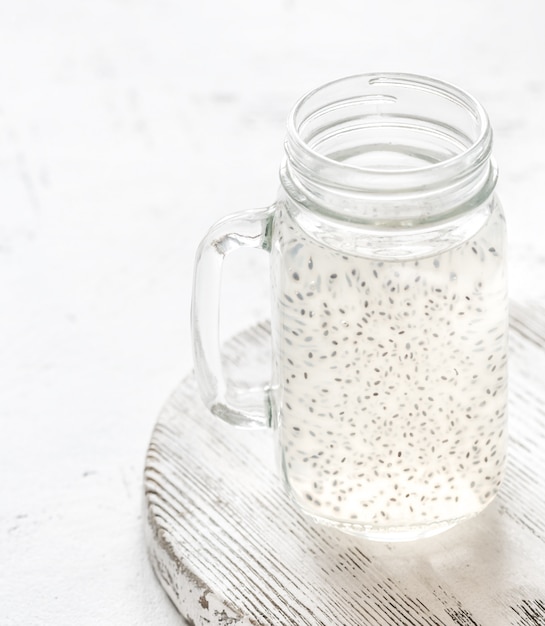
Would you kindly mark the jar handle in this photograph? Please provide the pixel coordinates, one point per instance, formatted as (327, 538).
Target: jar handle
(236, 405)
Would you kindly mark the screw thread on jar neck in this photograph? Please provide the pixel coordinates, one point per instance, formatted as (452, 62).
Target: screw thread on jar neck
(389, 150)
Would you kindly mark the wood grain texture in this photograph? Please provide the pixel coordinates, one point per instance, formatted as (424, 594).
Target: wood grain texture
(230, 548)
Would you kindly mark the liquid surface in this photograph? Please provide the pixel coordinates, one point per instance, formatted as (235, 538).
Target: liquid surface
(390, 380)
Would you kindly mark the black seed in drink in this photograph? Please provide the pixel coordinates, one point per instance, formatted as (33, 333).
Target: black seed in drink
(425, 344)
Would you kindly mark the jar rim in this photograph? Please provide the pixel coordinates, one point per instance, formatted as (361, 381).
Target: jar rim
(476, 153)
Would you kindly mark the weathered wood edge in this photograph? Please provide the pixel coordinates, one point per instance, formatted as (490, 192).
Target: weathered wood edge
(196, 602)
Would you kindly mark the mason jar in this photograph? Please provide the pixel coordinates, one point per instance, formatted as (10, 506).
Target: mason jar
(388, 391)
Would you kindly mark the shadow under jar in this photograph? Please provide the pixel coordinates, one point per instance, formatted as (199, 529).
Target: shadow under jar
(389, 311)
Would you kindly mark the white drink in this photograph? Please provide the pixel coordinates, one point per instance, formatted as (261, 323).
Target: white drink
(390, 381)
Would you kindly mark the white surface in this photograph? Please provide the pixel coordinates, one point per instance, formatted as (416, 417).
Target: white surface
(126, 128)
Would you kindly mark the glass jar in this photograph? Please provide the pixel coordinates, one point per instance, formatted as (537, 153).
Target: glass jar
(389, 319)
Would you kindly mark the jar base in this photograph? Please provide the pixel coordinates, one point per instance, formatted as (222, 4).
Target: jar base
(389, 534)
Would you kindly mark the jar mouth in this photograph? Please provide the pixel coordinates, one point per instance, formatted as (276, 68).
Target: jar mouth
(387, 135)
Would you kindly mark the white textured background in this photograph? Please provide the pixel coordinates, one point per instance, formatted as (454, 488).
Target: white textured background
(126, 128)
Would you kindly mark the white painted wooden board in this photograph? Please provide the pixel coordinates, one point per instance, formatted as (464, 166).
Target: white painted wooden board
(229, 547)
